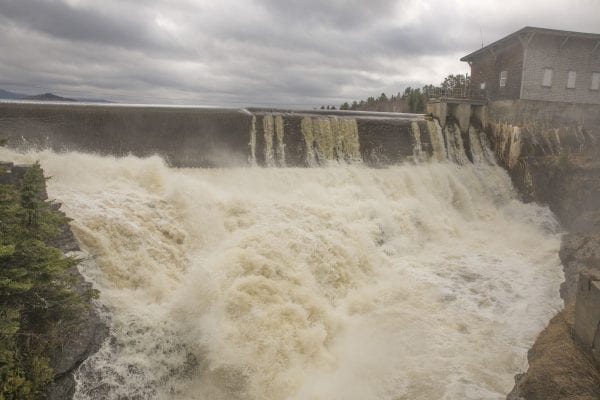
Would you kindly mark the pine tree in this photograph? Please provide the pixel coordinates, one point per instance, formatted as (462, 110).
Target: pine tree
(36, 295)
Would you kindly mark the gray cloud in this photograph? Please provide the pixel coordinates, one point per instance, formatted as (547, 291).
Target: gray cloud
(61, 20)
(344, 15)
(232, 52)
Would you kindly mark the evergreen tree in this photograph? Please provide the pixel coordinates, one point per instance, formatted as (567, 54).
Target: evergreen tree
(415, 100)
(36, 295)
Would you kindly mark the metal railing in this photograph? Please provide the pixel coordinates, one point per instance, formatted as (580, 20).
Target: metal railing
(456, 93)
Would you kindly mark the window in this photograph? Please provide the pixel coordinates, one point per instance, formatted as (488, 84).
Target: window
(547, 80)
(571, 78)
(503, 77)
(482, 86)
(595, 81)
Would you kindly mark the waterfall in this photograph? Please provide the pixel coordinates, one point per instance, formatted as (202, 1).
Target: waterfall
(414, 281)
(309, 140)
(252, 157)
(348, 143)
(324, 139)
(477, 151)
(454, 144)
(330, 139)
(269, 130)
(487, 148)
(515, 146)
(480, 147)
(437, 140)
(418, 153)
(315, 140)
(280, 149)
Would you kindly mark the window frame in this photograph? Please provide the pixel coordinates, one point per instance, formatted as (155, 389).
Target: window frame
(597, 81)
(573, 84)
(546, 70)
(503, 78)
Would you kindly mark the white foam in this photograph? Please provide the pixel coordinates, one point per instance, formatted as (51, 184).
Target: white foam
(425, 281)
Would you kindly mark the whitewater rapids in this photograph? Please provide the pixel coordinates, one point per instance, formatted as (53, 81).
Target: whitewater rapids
(425, 281)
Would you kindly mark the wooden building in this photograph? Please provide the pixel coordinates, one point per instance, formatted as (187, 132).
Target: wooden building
(539, 64)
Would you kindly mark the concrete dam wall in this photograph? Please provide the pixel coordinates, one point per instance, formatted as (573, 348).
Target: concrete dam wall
(213, 137)
(183, 136)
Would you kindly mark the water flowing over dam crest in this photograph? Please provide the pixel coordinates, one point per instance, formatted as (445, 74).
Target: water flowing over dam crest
(211, 137)
(426, 279)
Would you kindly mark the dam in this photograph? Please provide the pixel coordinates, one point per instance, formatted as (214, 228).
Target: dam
(337, 256)
(217, 137)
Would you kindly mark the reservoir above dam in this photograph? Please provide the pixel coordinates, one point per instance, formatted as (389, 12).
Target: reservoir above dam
(397, 263)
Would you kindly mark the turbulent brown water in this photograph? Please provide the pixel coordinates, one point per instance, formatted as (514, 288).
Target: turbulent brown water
(425, 281)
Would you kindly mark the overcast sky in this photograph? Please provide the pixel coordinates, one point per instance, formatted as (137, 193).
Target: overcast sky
(299, 53)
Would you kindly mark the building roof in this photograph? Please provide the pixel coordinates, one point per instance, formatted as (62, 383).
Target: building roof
(528, 32)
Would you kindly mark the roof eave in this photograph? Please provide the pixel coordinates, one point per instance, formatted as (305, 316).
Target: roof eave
(482, 50)
(593, 36)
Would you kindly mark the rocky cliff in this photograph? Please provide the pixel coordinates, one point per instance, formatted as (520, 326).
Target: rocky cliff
(83, 342)
(551, 151)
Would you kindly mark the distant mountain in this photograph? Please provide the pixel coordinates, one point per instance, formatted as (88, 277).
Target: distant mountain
(5, 94)
(47, 97)
(86, 100)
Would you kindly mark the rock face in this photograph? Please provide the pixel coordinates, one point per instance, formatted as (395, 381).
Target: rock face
(587, 313)
(83, 342)
(558, 367)
(551, 151)
(578, 252)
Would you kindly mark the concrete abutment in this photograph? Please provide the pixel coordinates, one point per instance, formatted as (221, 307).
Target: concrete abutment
(461, 111)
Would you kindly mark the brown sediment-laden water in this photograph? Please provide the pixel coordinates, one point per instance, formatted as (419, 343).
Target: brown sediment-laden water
(423, 280)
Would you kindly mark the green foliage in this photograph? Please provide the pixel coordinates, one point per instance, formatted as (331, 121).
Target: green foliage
(413, 100)
(37, 298)
(456, 81)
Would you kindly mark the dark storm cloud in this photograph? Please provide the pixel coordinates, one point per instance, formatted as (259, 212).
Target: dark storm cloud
(62, 20)
(232, 52)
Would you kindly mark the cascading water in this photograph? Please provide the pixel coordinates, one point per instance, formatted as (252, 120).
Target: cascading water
(418, 153)
(330, 139)
(454, 144)
(437, 141)
(280, 147)
(479, 147)
(425, 281)
(269, 129)
(252, 144)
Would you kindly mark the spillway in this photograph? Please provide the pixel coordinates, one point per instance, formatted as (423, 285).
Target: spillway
(218, 137)
(427, 279)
